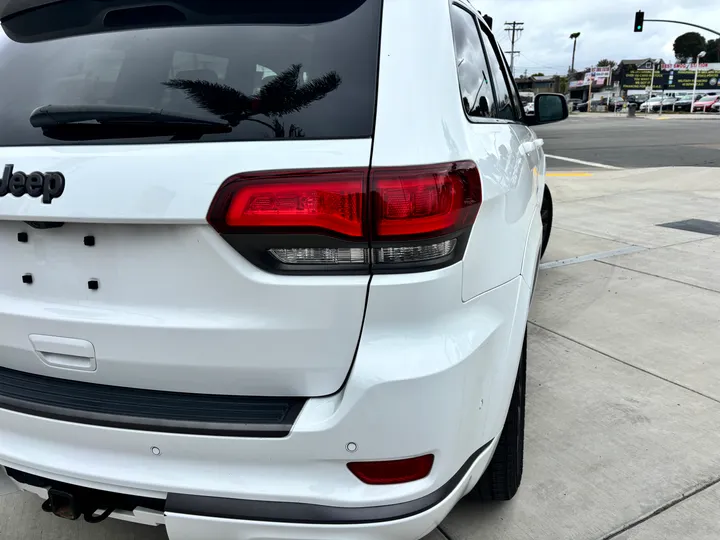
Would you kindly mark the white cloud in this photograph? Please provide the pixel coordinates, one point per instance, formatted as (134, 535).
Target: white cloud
(606, 28)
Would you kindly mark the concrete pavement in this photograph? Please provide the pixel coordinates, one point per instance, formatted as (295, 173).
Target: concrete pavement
(623, 420)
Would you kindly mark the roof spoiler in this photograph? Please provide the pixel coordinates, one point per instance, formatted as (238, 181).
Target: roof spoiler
(8, 8)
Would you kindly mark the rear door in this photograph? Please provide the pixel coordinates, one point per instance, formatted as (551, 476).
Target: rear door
(110, 270)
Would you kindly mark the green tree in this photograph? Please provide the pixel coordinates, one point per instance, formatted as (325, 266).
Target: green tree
(605, 62)
(687, 46)
(563, 85)
(537, 75)
(713, 51)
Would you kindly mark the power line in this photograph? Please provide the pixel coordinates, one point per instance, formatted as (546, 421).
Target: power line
(537, 65)
(514, 30)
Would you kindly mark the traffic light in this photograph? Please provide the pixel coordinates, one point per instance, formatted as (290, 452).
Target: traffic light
(639, 21)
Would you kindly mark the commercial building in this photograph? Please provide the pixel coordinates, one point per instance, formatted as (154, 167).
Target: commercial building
(538, 83)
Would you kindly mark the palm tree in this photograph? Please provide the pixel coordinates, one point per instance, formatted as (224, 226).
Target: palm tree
(282, 95)
(574, 36)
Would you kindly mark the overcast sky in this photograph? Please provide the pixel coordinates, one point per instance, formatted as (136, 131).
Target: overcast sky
(606, 28)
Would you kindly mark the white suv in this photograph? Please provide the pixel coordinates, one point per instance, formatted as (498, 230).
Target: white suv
(266, 265)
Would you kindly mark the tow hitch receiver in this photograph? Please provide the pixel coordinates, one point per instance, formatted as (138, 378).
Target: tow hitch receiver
(72, 506)
(62, 504)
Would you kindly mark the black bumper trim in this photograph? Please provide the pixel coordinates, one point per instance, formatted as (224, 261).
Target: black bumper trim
(290, 512)
(147, 410)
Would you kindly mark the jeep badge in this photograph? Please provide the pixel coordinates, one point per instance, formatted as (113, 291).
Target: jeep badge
(50, 184)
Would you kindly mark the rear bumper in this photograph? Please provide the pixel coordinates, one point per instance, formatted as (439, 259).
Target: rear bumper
(199, 518)
(432, 375)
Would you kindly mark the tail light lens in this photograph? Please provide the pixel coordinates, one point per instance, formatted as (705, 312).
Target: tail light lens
(354, 220)
(327, 202)
(424, 201)
(392, 472)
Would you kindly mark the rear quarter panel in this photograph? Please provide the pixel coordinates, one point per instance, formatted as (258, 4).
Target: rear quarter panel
(420, 121)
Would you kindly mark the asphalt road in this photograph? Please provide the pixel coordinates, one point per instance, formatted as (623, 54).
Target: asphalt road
(633, 142)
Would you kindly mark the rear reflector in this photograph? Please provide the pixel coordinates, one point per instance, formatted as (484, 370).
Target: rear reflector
(330, 201)
(392, 472)
(424, 201)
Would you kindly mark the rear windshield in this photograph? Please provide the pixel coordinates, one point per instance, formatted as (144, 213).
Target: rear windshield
(273, 69)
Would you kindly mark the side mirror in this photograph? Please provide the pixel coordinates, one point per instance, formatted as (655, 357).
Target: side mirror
(549, 108)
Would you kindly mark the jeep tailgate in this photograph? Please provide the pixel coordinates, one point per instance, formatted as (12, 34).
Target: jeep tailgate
(116, 277)
(175, 308)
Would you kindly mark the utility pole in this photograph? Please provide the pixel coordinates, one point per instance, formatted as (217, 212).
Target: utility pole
(574, 36)
(514, 30)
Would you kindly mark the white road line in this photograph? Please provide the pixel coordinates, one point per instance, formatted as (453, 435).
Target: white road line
(589, 163)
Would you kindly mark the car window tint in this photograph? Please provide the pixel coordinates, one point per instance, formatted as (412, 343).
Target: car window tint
(505, 102)
(473, 72)
(273, 69)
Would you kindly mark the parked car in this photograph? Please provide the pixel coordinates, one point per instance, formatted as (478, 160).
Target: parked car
(654, 104)
(530, 108)
(583, 107)
(265, 314)
(669, 103)
(616, 104)
(705, 103)
(573, 103)
(715, 107)
(684, 103)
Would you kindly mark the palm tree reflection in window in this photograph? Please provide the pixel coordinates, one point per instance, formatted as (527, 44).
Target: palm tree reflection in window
(281, 96)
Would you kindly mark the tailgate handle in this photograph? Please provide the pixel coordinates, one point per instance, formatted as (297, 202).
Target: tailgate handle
(66, 353)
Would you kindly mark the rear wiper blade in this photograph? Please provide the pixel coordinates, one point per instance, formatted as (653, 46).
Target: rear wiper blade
(49, 116)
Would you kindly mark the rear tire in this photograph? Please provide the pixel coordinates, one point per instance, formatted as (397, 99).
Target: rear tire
(546, 216)
(502, 478)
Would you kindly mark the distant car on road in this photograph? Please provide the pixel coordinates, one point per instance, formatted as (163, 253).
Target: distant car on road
(530, 108)
(705, 104)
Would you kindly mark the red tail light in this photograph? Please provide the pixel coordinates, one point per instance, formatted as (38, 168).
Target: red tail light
(424, 201)
(392, 472)
(329, 201)
(298, 221)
